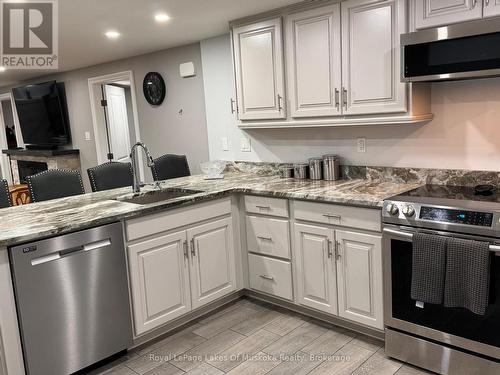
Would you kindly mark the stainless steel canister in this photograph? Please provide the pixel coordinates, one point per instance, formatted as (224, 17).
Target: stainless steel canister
(316, 168)
(300, 170)
(286, 171)
(331, 167)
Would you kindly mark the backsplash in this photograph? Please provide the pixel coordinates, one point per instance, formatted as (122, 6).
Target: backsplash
(451, 177)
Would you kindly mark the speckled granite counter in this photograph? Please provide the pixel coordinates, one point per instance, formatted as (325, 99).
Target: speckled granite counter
(35, 221)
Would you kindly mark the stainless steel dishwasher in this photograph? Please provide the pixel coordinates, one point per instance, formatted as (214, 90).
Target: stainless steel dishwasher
(72, 299)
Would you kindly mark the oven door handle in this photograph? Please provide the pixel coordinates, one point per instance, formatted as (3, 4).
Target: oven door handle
(408, 235)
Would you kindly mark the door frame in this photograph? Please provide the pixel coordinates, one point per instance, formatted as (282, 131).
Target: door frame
(98, 116)
(3, 136)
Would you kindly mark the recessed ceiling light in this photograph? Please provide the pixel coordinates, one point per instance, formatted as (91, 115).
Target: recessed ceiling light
(162, 17)
(2, 69)
(112, 34)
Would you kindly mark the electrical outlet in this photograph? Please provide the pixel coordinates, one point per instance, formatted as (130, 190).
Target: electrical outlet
(225, 144)
(246, 145)
(361, 144)
(87, 136)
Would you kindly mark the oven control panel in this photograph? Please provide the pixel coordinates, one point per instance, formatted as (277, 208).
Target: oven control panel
(446, 215)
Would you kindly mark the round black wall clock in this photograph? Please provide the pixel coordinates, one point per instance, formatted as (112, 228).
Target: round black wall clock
(154, 88)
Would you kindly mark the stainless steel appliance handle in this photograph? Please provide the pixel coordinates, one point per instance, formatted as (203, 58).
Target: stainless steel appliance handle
(70, 252)
(408, 235)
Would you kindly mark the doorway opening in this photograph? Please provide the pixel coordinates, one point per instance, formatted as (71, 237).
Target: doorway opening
(10, 134)
(114, 115)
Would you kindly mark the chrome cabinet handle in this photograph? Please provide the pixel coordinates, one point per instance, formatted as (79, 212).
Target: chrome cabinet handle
(344, 97)
(329, 246)
(186, 253)
(337, 99)
(332, 216)
(280, 107)
(487, 2)
(263, 207)
(266, 277)
(193, 250)
(474, 3)
(264, 238)
(337, 250)
(233, 109)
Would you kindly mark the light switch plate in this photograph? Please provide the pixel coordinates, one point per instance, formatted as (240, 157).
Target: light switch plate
(87, 136)
(361, 142)
(225, 144)
(246, 146)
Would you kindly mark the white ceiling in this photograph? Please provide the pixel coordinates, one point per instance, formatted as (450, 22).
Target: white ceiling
(82, 24)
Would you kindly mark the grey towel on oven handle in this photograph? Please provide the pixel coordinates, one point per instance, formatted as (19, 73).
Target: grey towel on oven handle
(467, 275)
(428, 268)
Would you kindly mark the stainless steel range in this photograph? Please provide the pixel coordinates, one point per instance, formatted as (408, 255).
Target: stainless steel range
(442, 339)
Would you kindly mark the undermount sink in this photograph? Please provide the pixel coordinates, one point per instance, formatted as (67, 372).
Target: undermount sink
(156, 196)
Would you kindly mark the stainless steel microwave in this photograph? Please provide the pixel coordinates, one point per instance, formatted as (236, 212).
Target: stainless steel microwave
(461, 51)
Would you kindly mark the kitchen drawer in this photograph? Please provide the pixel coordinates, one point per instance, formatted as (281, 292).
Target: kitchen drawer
(266, 206)
(268, 236)
(270, 276)
(354, 217)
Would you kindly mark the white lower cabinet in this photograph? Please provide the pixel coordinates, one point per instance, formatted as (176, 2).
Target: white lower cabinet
(173, 273)
(315, 267)
(159, 277)
(212, 261)
(359, 277)
(271, 276)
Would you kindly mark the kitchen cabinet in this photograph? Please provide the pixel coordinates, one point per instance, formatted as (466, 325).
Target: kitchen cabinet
(159, 279)
(315, 267)
(314, 62)
(433, 13)
(271, 276)
(212, 261)
(491, 8)
(359, 277)
(371, 57)
(259, 70)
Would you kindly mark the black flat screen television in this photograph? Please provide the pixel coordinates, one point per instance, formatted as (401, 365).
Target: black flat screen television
(43, 114)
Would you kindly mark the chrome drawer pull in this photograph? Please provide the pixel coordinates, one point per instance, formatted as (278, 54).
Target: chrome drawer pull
(263, 207)
(264, 238)
(332, 216)
(267, 277)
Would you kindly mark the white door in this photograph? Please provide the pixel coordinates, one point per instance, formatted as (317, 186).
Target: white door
(212, 261)
(315, 267)
(258, 63)
(314, 62)
(491, 8)
(159, 279)
(4, 159)
(371, 56)
(119, 131)
(432, 13)
(359, 277)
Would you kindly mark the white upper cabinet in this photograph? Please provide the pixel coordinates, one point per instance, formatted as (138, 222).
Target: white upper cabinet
(359, 277)
(213, 271)
(371, 56)
(258, 63)
(314, 62)
(432, 13)
(491, 8)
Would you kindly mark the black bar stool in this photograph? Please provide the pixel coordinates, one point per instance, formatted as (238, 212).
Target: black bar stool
(55, 183)
(5, 198)
(110, 175)
(170, 166)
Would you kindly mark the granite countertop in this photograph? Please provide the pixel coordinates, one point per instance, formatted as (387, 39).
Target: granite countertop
(34, 221)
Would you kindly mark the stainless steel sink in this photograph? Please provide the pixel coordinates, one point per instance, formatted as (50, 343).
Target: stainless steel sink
(156, 196)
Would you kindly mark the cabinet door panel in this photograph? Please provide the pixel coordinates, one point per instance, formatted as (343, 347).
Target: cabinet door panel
(491, 8)
(315, 267)
(258, 63)
(313, 55)
(159, 276)
(359, 277)
(432, 13)
(212, 261)
(371, 56)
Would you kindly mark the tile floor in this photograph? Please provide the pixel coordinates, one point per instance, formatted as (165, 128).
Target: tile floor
(251, 337)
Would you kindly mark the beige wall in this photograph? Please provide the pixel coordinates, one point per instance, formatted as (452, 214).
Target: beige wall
(465, 133)
(162, 128)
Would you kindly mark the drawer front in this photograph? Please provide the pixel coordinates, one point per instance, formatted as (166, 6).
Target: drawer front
(270, 276)
(354, 217)
(268, 236)
(157, 223)
(266, 206)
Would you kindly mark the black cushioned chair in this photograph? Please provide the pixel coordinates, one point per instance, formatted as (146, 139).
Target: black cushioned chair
(170, 166)
(55, 183)
(5, 199)
(110, 175)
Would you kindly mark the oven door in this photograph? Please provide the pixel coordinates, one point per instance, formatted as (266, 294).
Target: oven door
(455, 327)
